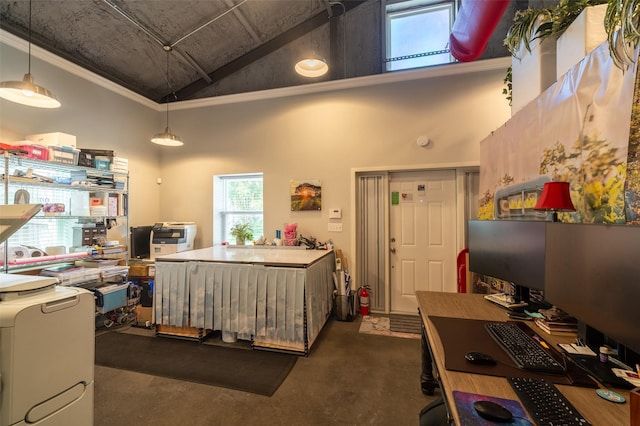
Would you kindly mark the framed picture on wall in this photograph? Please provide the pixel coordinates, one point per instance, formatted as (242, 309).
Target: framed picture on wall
(306, 195)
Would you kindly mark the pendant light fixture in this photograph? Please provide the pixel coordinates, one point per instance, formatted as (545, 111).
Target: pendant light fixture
(313, 65)
(167, 138)
(26, 92)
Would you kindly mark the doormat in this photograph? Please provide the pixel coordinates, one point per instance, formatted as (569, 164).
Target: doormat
(381, 326)
(405, 323)
(259, 372)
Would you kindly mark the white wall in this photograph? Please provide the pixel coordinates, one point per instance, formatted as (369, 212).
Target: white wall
(323, 134)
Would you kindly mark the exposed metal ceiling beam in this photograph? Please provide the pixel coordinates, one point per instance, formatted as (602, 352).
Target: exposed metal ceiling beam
(247, 26)
(263, 50)
(132, 20)
(184, 56)
(206, 24)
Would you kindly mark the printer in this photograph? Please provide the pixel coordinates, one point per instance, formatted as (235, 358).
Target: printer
(171, 237)
(47, 343)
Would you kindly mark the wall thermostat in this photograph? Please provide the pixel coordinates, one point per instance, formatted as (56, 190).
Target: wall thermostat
(335, 213)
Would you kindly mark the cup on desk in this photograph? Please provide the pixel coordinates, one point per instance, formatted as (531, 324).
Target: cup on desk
(603, 356)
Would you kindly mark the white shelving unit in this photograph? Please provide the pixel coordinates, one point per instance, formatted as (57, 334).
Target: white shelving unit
(66, 192)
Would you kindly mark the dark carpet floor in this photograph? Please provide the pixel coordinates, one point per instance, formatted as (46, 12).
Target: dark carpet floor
(252, 371)
(348, 379)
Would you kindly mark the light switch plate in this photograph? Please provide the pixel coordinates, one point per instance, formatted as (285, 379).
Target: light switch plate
(334, 227)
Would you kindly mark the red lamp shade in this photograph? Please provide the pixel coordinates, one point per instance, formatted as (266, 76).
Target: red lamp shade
(555, 197)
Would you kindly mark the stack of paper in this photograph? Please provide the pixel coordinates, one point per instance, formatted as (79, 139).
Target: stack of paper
(120, 165)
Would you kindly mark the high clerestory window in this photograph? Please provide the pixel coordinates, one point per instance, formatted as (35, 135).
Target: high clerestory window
(237, 198)
(417, 33)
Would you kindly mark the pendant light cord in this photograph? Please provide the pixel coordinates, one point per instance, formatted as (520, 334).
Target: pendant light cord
(168, 49)
(311, 32)
(29, 63)
(344, 36)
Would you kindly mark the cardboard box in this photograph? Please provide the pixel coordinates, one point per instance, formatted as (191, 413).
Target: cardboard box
(139, 270)
(144, 314)
(53, 139)
(339, 260)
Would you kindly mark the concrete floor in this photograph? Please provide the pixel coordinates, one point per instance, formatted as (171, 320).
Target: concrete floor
(348, 379)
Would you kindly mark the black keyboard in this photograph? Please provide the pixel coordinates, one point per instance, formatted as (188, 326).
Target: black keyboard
(544, 402)
(522, 349)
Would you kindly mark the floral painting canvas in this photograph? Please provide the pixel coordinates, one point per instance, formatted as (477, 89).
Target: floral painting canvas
(570, 134)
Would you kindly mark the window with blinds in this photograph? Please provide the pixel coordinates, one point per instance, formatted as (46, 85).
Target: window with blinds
(237, 199)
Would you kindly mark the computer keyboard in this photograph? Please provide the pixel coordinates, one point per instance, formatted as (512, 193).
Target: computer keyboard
(522, 349)
(544, 402)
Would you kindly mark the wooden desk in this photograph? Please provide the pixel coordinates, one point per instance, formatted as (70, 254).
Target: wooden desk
(473, 306)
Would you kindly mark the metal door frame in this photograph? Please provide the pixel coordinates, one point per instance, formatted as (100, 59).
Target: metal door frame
(463, 202)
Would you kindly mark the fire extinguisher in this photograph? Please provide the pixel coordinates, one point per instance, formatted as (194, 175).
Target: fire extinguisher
(363, 294)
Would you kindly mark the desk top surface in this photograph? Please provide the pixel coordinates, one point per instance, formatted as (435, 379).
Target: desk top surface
(249, 255)
(473, 306)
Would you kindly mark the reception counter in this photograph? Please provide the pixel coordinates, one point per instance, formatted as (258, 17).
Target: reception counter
(279, 298)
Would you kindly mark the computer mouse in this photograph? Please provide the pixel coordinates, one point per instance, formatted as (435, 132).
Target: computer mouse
(492, 411)
(480, 358)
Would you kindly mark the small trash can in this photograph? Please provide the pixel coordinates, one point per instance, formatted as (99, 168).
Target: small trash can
(344, 306)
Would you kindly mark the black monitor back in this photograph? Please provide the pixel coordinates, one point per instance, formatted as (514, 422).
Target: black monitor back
(593, 273)
(140, 242)
(511, 250)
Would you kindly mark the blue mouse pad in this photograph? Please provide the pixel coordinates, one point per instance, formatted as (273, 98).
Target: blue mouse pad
(468, 416)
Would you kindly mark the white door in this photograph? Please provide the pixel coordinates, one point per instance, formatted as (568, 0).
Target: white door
(422, 231)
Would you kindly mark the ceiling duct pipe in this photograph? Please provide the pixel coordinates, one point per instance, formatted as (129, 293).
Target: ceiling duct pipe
(476, 21)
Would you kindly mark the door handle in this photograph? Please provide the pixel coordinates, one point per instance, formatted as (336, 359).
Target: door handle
(393, 250)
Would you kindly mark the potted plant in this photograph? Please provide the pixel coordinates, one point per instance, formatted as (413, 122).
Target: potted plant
(540, 24)
(532, 65)
(527, 26)
(621, 24)
(242, 232)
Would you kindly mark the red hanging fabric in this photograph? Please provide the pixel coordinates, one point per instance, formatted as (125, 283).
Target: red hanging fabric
(476, 21)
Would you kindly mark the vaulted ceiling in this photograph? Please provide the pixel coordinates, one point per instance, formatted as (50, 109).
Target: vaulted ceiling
(208, 48)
